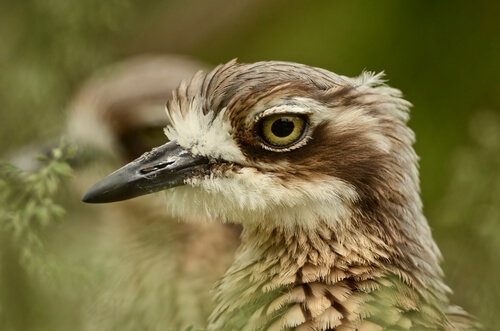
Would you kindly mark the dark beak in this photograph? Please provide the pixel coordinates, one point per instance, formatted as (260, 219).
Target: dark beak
(164, 167)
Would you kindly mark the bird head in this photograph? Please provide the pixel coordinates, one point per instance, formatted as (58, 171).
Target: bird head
(278, 144)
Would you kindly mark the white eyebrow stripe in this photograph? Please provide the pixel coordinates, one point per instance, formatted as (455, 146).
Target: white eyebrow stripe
(296, 105)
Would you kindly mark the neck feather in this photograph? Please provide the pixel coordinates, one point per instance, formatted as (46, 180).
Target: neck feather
(284, 279)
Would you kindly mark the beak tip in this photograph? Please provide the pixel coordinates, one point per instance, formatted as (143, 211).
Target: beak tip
(102, 192)
(90, 197)
(86, 199)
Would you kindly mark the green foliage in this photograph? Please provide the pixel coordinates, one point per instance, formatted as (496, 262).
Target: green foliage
(27, 209)
(26, 204)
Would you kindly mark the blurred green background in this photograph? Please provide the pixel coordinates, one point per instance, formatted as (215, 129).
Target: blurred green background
(443, 55)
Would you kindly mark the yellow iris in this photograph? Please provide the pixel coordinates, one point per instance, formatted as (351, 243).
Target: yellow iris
(281, 130)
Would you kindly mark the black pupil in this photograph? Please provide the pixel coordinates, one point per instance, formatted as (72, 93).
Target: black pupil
(282, 127)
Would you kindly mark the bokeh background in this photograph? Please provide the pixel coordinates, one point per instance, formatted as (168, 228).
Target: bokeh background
(443, 55)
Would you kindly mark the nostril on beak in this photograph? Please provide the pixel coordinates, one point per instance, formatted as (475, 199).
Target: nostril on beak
(155, 168)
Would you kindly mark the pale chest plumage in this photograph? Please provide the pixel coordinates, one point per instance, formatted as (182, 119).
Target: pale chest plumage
(316, 283)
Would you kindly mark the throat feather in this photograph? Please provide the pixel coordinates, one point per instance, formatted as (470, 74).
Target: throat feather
(314, 280)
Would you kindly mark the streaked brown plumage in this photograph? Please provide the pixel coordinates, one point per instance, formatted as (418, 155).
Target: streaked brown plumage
(334, 235)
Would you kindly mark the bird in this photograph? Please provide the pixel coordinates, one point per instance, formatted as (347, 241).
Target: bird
(319, 170)
(142, 255)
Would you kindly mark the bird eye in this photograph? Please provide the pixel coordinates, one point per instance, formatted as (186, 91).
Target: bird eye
(282, 130)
